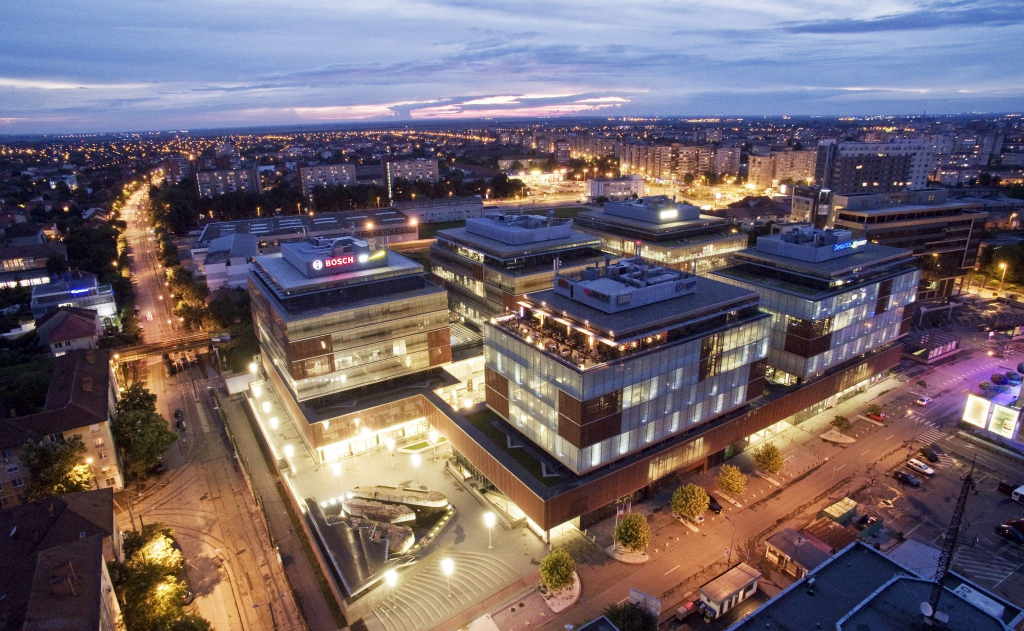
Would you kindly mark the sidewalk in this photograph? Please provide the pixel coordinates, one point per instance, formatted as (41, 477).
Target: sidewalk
(301, 576)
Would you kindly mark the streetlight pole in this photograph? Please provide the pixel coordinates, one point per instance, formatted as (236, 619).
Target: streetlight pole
(416, 460)
(447, 566)
(390, 442)
(1002, 266)
(432, 436)
(732, 542)
(489, 521)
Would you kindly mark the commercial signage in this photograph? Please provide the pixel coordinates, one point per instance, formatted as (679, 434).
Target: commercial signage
(338, 261)
(1004, 421)
(849, 245)
(976, 410)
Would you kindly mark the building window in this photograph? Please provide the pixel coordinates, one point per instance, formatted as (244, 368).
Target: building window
(110, 481)
(12, 468)
(98, 442)
(103, 455)
(94, 428)
(5, 455)
(17, 483)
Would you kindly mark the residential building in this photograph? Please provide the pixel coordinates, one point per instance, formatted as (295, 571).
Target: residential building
(761, 171)
(615, 188)
(860, 588)
(727, 161)
(755, 211)
(442, 209)
(490, 264)
(226, 263)
(75, 289)
(410, 170)
(384, 225)
(68, 329)
(831, 297)
(779, 166)
(614, 359)
(508, 163)
(310, 177)
(25, 265)
(873, 167)
(658, 229)
(945, 235)
(69, 180)
(24, 233)
(337, 318)
(176, 168)
(80, 400)
(562, 152)
(54, 564)
(221, 181)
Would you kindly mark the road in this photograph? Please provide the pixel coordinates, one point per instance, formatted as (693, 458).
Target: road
(234, 570)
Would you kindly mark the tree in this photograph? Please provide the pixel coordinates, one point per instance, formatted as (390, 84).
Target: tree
(56, 467)
(689, 501)
(768, 458)
(875, 409)
(633, 533)
(841, 423)
(921, 383)
(985, 386)
(630, 617)
(141, 434)
(56, 264)
(556, 570)
(731, 479)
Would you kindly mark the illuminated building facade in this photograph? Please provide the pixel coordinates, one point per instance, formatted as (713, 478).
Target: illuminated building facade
(658, 229)
(617, 358)
(831, 297)
(338, 317)
(489, 265)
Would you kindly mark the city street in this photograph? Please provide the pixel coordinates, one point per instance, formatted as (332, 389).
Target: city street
(233, 569)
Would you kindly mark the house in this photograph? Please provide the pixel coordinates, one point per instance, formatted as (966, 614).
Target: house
(25, 233)
(80, 401)
(25, 265)
(53, 564)
(69, 328)
(754, 210)
(796, 554)
(227, 262)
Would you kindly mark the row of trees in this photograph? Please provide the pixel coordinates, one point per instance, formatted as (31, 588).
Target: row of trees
(178, 207)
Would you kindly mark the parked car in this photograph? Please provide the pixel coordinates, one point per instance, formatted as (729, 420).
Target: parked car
(686, 611)
(159, 467)
(866, 521)
(714, 505)
(906, 478)
(929, 453)
(878, 417)
(1011, 532)
(1014, 378)
(179, 423)
(939, 451)
(923, 401)
(179, 414)
(920, 467)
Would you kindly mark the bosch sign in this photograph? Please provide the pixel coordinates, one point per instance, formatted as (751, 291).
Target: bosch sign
(338, 261)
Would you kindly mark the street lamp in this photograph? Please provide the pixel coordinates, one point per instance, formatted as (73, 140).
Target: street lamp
(432, 436)
(732, 543)
(416, 460)
(448, 566)
(1002, 266)
(391, 578)
(489, 521)
(390, 442)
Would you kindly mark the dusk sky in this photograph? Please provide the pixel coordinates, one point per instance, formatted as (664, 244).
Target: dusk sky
(137, 65)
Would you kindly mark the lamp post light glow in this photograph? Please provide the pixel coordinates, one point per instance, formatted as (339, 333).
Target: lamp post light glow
(433, 436)
(391, 578)
(489, 519)
(416, 460)
(253, 367)
(390, 442)
(448, 566)
(266, 407)
(1002, 266)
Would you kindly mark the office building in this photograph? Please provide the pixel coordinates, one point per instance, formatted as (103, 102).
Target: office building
(55, 554)
(80, 401)
(873, 167)
(221, 181)
(25, 265)
(489, 265)
(386, 226)
(945, 235)
(310, 177)
(75, 289)
(338, 317)
(861, 588)
(831, 297)
(660, 230)
(615, 188)
(614, 359)
(441, 209)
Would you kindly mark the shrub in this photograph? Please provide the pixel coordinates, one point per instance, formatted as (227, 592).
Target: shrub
(731, 479)
(556, 570)
(768, 458)
(690, 501)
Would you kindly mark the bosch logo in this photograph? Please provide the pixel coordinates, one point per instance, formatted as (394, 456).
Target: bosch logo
(318, 265)
(340, 260)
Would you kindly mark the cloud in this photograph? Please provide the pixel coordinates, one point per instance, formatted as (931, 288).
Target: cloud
(931, 16)
(56, 84)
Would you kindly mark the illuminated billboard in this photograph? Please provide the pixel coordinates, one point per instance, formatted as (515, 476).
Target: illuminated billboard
(976, 410)
(1004, 421)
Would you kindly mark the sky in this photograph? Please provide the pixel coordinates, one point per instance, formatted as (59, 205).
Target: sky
(131, 65)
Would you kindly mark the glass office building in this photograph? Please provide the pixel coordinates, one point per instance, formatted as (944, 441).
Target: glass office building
(612, 360)
(658, 229)
(493, 261)
(831, 297)
(334, 315)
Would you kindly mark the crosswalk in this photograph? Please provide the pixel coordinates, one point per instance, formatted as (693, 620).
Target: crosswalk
(930, 436)
(982, 565)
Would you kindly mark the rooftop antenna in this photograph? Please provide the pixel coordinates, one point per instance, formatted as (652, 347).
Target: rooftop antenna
(931, 612)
